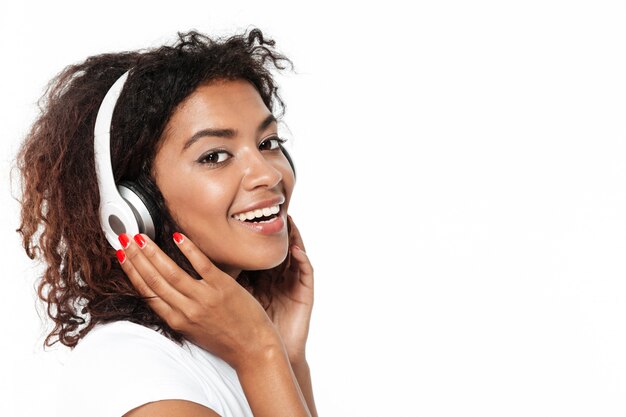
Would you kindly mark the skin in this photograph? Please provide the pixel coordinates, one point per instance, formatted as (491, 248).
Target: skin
(204, 183)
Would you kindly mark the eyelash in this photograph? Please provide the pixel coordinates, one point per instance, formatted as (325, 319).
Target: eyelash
(277, 139)
(204, 158)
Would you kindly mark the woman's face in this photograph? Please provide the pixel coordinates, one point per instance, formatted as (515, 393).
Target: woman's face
(220, 163)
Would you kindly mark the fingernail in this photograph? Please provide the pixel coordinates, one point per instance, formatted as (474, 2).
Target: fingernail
(140, 240)
(178, 238)
(124, 240)
(121, 256)
(298, 247)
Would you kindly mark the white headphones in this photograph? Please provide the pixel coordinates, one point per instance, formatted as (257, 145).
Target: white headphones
(125, 208)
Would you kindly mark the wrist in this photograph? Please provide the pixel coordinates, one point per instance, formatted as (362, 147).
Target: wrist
(268, 350)
(300, 367)
(297, 358)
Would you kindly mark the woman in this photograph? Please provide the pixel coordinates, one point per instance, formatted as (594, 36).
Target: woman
(209, 318)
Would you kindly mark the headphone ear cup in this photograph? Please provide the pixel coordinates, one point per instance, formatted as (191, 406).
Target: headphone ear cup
(145, 210)
(293, 167)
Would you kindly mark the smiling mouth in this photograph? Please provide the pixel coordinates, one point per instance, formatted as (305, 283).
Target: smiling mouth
(264, 215)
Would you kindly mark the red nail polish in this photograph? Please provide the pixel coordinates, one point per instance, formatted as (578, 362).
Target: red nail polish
(121, 256)
(178, 238)
(124, 240)
(140, 241)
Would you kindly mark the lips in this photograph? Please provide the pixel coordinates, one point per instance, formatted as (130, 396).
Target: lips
(260, 214)
(265, 217)
(261, 204)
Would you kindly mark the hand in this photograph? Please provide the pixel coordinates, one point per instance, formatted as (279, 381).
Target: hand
(215, 312)
(292, 303)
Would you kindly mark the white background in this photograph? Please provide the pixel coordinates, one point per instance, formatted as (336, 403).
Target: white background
(461, 191)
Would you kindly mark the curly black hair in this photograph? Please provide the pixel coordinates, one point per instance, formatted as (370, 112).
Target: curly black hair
(82, 284)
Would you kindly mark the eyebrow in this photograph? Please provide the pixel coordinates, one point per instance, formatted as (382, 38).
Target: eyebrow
(225, 133)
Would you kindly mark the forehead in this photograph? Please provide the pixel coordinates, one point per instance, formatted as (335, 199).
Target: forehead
(220, 104)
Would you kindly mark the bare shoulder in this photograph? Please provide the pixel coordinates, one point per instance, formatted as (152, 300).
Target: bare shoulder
(172, 408)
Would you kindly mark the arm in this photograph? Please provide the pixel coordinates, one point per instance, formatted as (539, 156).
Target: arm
(269, 381)
(219, 315)
(303, 375)
(291, 310)
(173, 408)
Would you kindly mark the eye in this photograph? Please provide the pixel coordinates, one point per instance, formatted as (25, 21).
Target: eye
(272, 143)
(214, 157)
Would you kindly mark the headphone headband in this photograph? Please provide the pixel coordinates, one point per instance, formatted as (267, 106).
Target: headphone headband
(117, 214)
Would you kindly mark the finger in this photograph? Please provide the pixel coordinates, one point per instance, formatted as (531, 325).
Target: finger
(167, 268)
(295, 239)
(295, 236)
(134, 276)
(157, 304)
(203, 265)
(304, 266)
(150, 275)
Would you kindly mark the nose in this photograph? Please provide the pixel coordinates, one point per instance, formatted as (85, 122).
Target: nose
(259, 171)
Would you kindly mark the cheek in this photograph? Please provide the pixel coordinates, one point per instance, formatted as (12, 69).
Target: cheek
(289, 181)
(196, 199)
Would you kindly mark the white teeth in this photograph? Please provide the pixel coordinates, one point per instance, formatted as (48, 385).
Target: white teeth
(253, 214)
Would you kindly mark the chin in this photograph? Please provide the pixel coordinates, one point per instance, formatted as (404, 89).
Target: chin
(266, 259)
